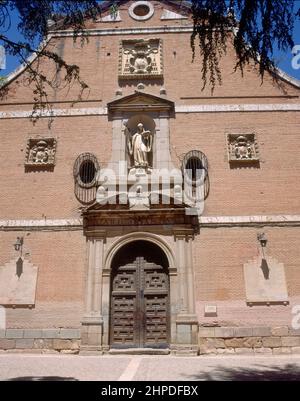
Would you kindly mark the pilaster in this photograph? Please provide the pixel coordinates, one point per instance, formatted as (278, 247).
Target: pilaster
(186, 321)
(92, 322)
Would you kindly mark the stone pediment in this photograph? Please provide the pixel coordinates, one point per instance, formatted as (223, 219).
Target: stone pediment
(140, 101)
(175, 5)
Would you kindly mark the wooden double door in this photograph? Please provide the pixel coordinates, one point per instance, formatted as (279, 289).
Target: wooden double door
(140, 305)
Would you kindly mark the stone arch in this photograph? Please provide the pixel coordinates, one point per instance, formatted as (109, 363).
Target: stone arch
(145, 119)
(140, 297)
(127, 239)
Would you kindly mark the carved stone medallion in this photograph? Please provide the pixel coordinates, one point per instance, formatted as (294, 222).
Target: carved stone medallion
(140, 59)
(242, 148)
(40, 152)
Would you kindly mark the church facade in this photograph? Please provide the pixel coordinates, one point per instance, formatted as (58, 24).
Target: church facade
(151, 214)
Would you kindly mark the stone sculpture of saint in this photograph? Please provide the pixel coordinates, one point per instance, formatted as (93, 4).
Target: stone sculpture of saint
(140, 146)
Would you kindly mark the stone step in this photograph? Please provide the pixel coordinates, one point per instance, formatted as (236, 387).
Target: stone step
(139, 351)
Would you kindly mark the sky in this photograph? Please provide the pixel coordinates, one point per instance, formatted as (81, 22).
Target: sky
(285, 61)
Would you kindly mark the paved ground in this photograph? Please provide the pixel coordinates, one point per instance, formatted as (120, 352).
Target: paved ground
(148, 368)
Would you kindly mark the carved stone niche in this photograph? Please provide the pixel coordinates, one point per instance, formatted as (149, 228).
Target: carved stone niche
(141, 59)
(242, 149)
(40, 153)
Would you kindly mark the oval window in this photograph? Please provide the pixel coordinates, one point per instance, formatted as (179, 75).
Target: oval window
(87, 172)
(141, 10)
(194, 168)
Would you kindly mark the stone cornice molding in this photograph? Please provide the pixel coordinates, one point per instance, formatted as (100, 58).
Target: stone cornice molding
(211, 108)
(204, 221)
(41, 225)
(238, 108)
(92, 111)
(124, 31)
(250, 221)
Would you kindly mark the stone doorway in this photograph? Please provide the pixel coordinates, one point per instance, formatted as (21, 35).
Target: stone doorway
(139, 302)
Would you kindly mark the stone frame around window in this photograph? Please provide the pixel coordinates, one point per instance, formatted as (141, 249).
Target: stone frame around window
(40, 153)
(242, 149)
(142, 17)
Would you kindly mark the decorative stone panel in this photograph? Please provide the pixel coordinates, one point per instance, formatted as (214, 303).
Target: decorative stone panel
(141, 59)
(242, 148)
(265, 281)
(18, 280)
(40, 152)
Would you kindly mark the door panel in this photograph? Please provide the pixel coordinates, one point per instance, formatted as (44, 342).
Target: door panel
(140, 306)
(123, 315)
(156, 320)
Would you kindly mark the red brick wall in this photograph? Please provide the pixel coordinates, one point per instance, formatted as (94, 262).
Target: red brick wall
(60, 258)
(219, 256)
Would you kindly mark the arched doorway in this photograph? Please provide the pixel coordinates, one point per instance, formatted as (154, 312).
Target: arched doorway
(139, 304)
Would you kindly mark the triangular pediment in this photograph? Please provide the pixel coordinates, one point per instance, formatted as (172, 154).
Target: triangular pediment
(139, 101)
(180, 6)
(171, 15)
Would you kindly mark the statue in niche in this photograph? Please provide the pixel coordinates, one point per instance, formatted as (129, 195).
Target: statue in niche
(139, 145)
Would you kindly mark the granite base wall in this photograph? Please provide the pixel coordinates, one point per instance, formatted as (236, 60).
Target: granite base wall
(212, 340)
(249, 341)
(65, 341)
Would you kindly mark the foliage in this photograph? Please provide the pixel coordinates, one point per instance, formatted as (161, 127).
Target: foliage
(258, 27)
(36, 16)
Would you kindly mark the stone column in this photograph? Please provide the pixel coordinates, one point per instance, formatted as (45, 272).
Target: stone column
(190, 274)
(92, 322)
(186, 321)
(118, 142)
(106, 276)
(181, 260)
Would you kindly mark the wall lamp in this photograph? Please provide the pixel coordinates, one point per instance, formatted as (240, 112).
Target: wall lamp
(18, 245)
(261, 237)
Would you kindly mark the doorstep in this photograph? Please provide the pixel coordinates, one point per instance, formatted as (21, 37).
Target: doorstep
(139, 351)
